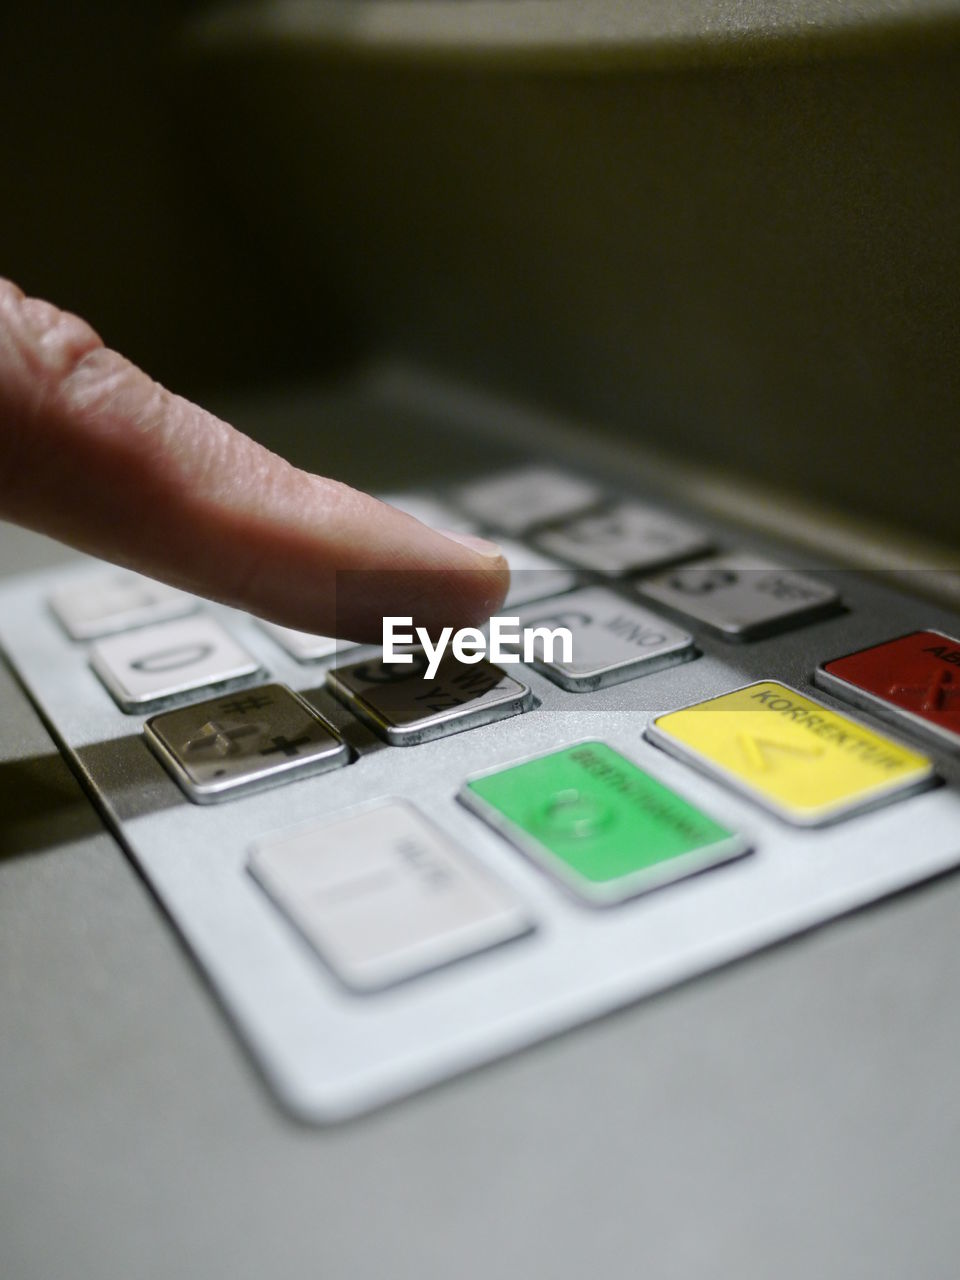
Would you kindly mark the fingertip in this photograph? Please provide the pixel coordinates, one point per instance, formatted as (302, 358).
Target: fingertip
(482, 546)
(467, 575)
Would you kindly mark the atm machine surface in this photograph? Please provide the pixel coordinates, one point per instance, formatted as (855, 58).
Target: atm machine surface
(210, 1066)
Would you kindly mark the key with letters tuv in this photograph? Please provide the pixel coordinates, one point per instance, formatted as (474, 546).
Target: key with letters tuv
(405, 708)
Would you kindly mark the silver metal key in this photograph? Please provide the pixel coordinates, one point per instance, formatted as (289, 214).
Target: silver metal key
(405, 708)
(244, 741)
(612, 639)
(741, 597)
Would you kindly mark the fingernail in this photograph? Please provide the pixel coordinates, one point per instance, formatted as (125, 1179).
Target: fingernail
(480, 545)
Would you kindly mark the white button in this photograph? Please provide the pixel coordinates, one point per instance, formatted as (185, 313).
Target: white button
(429, 511)
(741, 597)
(303, 646)
(515, 501)
(532, 576)
(612, 639)
(384, 895)
(405, 708)
(628, 538)
(244, 741)
(106, 603)
(148, 666)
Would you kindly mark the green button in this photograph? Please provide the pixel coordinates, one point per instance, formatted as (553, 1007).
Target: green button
(598, 823)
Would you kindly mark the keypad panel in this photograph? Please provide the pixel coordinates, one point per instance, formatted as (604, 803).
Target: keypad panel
(328, 912)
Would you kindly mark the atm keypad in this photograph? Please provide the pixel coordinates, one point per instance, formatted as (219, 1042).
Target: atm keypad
(376, 919)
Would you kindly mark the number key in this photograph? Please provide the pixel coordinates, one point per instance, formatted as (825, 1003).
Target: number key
(144, 668)
(404, 707)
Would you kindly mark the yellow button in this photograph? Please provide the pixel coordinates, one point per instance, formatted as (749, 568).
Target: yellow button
(791, 753)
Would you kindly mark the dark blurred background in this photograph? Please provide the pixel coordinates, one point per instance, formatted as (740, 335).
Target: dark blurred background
(732, 231)
(111, 207)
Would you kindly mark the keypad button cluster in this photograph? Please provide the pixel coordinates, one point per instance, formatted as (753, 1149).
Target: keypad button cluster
(382, 894)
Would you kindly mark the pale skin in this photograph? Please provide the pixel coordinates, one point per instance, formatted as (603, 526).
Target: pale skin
(95, 453)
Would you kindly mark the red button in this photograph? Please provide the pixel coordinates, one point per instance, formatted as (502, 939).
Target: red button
(917, 676)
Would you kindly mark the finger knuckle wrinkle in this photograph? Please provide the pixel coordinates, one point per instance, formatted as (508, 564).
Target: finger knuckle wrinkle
(92, 383)
(53, 341)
